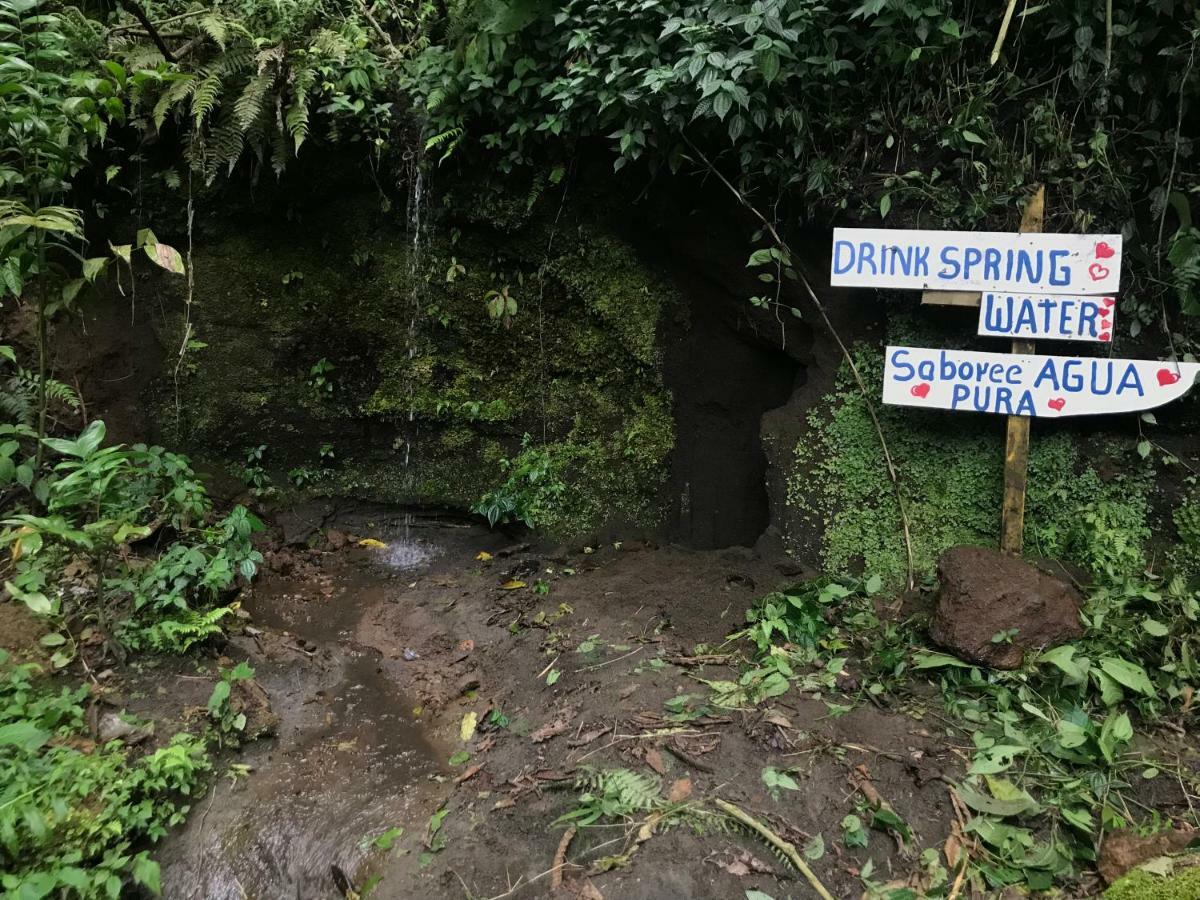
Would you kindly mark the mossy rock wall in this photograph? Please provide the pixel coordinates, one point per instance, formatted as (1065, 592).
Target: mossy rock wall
(428, 393)
(1098, 495)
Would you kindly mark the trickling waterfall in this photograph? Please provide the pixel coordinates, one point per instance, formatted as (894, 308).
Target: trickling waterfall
(417, 210)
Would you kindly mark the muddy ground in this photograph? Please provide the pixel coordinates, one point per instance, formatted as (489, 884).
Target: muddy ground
(372, 657)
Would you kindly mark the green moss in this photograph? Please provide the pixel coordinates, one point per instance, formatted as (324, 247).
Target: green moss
(952, 480)
(578, 365)
(1140, 885)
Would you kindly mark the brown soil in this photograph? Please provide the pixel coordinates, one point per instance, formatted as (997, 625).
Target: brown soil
(372, 669)
(20, 632)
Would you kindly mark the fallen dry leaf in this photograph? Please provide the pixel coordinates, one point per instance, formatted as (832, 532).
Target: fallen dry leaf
(483, 556)
(655, 761)
(466, 730)
(744, 864)
(559, 724)
(504, 803)
(372, 543)
(588, 736)
(560, 859)
(779, 719)
(469, 773)
(466, 645)
(680, 790)
(512, 585)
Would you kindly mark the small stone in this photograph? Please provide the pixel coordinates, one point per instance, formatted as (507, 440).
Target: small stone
(991, 608)
(410, 654)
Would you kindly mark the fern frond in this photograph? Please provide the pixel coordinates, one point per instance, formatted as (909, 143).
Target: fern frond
(233, 62)
(250, 104)
(176, 93)
(297, 114)
(216, 27)
(204, 98)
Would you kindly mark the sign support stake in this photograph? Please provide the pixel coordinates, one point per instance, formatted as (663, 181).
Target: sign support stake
(1016, 447)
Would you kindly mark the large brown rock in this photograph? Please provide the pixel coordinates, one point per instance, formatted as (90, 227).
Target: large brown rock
(985, 595)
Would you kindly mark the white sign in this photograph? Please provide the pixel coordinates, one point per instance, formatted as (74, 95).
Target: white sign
(976, 261)
(1020, 385)
(1048, 317)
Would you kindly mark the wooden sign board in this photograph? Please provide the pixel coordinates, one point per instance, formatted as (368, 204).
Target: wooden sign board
(1028, 384)
(1047, 317)
(1031, 263)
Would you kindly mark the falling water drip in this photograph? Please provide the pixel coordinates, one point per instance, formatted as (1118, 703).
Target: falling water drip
(417, 208)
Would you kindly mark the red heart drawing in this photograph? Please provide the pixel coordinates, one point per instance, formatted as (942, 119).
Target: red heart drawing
(920, 390)
(1105, 336)
(1110, 301)
(1166, 376)
(1056, 403)
(1104, 311)
(1103, 251)
(1098, 272)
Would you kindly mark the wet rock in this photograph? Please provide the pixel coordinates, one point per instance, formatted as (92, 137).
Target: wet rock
(1124, 850)
(991, 608)
(336, 540)
(300, 524)
(113, 727)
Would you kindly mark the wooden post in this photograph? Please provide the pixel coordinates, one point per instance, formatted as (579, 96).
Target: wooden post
(1016, 448)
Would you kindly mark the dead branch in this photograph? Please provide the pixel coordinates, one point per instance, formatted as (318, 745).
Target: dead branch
(787, 848)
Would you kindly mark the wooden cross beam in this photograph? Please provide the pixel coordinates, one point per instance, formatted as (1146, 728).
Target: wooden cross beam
(1016, 448)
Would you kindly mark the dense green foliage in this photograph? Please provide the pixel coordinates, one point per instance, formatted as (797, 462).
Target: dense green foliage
(72, 815)
(858, 108)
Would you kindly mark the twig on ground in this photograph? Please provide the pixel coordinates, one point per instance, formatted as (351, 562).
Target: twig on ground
(549, 666)
(787, 848)
(688, 760)
(610, 661)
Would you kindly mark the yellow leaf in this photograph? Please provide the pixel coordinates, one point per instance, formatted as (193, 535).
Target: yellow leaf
(372, 543)
(467, 730)
(483, 556)
(512, 585)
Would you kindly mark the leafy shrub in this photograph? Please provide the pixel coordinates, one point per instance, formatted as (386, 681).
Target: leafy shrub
(72, 817)
(99, 501)
(532, 487)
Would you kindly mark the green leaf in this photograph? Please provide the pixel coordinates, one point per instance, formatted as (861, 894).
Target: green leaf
(552, 676)
(1155, 628)
(1116, 732)
(23, 734)
(218, 698)
(1015, 803)
(815, 848)
(1143, 448)
(54, 639)
(885, 205)
(386, 840)
(147, 873)
(938, 661)
(1131, 675)
(950, 27)
(457, 759)
(972, 138)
